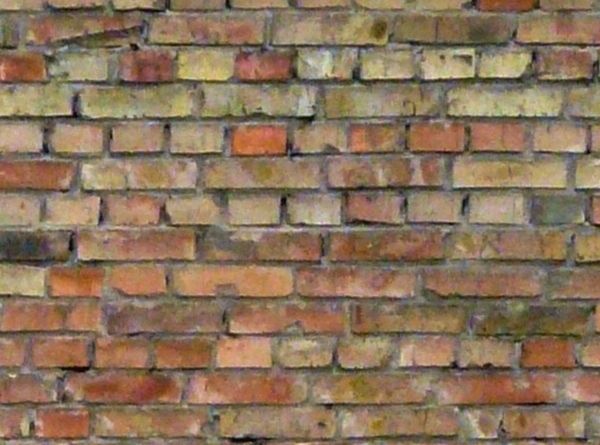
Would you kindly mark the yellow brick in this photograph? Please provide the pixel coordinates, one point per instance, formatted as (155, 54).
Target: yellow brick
(468, 173)
(510, 64)
(587, 173)
(448, 63)
(386, 64)
(205, 64)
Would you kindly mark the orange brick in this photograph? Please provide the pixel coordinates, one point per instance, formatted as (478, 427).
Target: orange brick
(244, 352)
(121, 353)
(139, 280)
(76, 282)
(498, 136)
(436, 136)
(374, 138)
(62, 423)
(262, 66)
(548, 353)
(258, 140)
(146, 66)
(60, 352)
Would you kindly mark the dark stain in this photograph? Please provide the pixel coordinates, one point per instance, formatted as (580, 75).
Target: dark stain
(34, 246)
(379, 29)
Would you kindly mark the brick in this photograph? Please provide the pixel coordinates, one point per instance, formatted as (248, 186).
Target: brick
(442, 136)
(163, 422)
(14, 423)
(499, 137)
(497, 208)
(361, 388)
(243, 352)
(139, 174)
(364, 352)
(505, 64)
(595, 210)
(582, 388)
(581, 102)
(308, 422)
(404, 319)
(134, 138)
(304, 353)
(246, 388)
(321, 3)
(55, 423)
(554, 5)
(480, 173)
(121, 387)
(548, 353)
(378, 172)
(587, 248)
(63, 352)
(22, 280)
(206, 64)
(374, 422)
(437, 207)
(273, 319)
(197, 139)
(77, 139)
(258, 4)
(80, 66)
(386, 64)
(448, 64)
(406, 245)
(374, 138)
(546, 423)
(36, 175)
(146, 280)
(146, 66)
(17, 5)
(322, 137)
(558, 210)
(561, 64)
(20, 138)
(261, 173)
(131, 245)
(523, 319)
(34, 246)
(208, 29)
(590, 353)
(19, 210)
(326, 63)
(133, 210)
(314, 209)
(560, 138)
(22, 67)
(576, 284)
(22, 316)
(432, 351)
(200, 210)
(478, 282)
(586, 173)
(338, 28)
(506, 6)
(467, 389)
(380, 100)
(356, 282)
(254, 209)
(263, 66)
(25, 389)
(69, 211)
(12, 353)
(183, 353)
(238, 100)
(414, 28)
(178, 5)
(76, 281)
(127, 5)
(115, 352)
(161, 101)
(549, 28)
(374, 207)
(486, 352)
(506, 102)
(72, 4)
(254, 245)
(474, 29)
(245, 281)
(258, 140)
(163, 317)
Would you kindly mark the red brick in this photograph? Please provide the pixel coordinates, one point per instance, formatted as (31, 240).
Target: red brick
(115, 352)
(12, 351)
(134, 210)
(139, 280)
(548, 353)
(244, 352)
(146, 66)
(427, 351)
(493, 389)
(23, 316)
(520, 423)
(22, 67)
(121, 387)
(355, 282)
(13, 423)
(375, 207)
(262, 66)
(207, 30)
(183, 353)
(25, 389)
(559, 28)
(506, 5)
(36, 175)
(560, 64)
(60, 352)
(437, 136)
(376, 138)
(76, 281)
(246, 388)
(62, 423)
(258, 140)
(498, 136)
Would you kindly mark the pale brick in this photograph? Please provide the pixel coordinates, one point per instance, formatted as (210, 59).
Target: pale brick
(18, 210)
(436, 207)
(507, 64)
(448, 63)
(254, 209)
(80, 66)
(205, 64)
(315, 209)
(22, 280)
(199, 210)
(197, 139)
(326, 63)
(494, 208)
(67, 210)
(386, 64)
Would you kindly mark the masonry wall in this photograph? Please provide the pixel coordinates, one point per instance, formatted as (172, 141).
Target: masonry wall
(305, 221)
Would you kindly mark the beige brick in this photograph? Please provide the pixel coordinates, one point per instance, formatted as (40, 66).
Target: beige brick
(448, 63)
(16, 210)
(436, 207)
(505, 102)
(322, 137)
(496, 208)
(469, 173)
(80, 66)
(137, 137)
(435, 5)
(22, 280)
(587, 173)
(198, 210)
(20, 138)
(254, 209)
(205, 64)
(315, 209)
(77, 139)
(69, 210)
(559, 138)
(386, 64)
(507, 64)
(198, 139)
(584, 101)
(326, 63)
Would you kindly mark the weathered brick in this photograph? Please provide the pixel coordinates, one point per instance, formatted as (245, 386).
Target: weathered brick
(13, 423)
(558, 209)
(486, 352)
(144, 280)
(134, 210)
(561, 64)
(314, 209)
(498, 136)
(548, 353)
(437, 207)
(321, 137)
(386, 64)
(244, 352)
(22, 280)
(79, 66)
(254, 209)
(23, 316)
(582, 102)
(263, 66)
(34, 246)
(183, 353)
(200, 210)
(12, 353)
(76, 281)
(497, 208)
(547, 423)
(36, 100)
(481, 423)
(305, 352)
(63, 352)
(364, 352)
(20, 137)
(431, 351)
(77, 139)
(205, 64)
(133, 137)
(448, 64)
(505, 64)
(19, 210)
(483, 173)
(52, 423)
(375, 138)
(22, 67)
(116, 352)
(25, 389)
(146, 66)
(558, 28)
(374, 207)
(67, 210)
(437, 136)
(326, 63)
(196, 139)
(506, 5)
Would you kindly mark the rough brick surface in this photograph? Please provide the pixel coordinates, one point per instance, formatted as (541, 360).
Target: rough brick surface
(299, 222)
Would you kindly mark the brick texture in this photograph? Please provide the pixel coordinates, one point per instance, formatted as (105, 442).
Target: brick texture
(299, 222)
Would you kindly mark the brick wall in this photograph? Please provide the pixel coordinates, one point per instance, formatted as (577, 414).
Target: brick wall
(299, 222)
